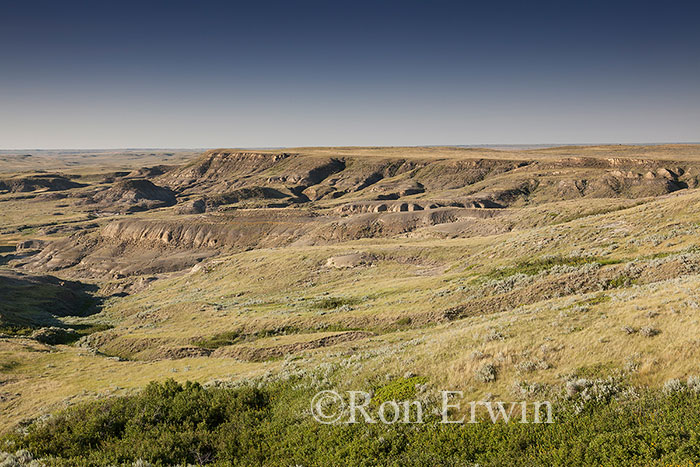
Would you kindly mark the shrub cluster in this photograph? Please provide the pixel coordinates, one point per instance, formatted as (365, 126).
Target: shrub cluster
(169, 423)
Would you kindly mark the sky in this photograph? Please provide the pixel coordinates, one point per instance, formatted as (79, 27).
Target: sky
(201, 74)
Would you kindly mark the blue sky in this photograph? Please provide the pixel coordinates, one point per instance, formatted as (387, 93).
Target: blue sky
(264, 74)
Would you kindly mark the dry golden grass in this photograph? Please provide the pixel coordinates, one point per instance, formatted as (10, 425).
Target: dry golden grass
(283, 296)
(86, 162)
(689, 152)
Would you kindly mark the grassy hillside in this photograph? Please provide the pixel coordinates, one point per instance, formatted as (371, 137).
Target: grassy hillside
(606, 294)
(515, 302)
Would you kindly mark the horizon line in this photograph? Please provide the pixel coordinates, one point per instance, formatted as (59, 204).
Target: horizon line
(475, 146)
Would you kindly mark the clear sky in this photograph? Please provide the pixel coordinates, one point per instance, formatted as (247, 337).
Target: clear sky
(114, 74)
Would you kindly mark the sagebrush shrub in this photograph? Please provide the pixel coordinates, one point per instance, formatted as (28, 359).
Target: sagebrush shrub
(649, 331)
(486, 373)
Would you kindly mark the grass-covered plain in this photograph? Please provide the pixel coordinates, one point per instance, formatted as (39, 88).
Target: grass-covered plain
(547, 294)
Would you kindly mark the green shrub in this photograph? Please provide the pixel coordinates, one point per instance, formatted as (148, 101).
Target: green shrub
(169, 423)
(538, 265)
(219, 340)
(330, 303)
(233, 337)
(623, 280)
(400, 389)
(405, 321)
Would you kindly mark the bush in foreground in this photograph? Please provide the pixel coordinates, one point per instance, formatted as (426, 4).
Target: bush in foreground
(168, 423)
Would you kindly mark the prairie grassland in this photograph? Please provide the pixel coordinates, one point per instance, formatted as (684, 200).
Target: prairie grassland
(539, 323)
(661, 151)
(86, 162)
(543, 292)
